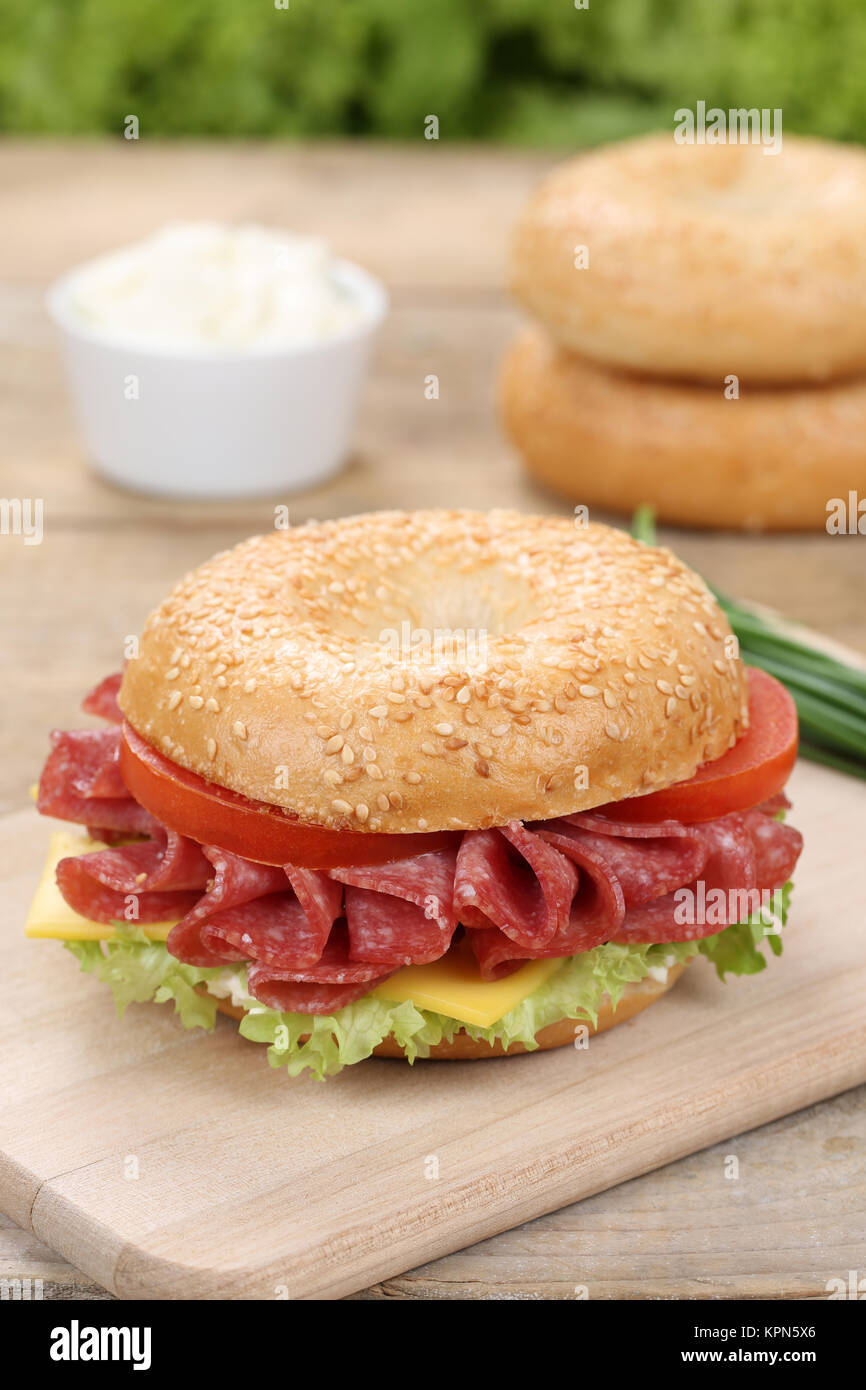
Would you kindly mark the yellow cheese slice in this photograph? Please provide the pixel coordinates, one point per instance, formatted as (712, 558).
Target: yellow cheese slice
(450, 986)
(51, 916)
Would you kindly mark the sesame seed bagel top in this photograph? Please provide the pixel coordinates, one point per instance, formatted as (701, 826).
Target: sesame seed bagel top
(411, 671)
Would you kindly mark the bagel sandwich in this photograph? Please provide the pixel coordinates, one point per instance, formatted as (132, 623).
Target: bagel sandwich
(423, 784)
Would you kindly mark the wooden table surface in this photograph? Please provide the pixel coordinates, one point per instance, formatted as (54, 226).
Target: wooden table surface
(432, 222)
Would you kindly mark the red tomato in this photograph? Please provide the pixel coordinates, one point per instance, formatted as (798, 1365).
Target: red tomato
(752, 771)
(213, 815)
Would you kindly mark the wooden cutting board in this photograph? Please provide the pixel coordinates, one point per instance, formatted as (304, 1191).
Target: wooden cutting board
(250, 1185)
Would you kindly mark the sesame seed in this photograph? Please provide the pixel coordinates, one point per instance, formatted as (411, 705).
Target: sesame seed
(212, 705)
(382, 802)
(239, 729)
(443, 729)
(211, 749)
(413, 777)
(429, 748)
(379, 711)
(346, 719)
(334, 744)
(174, 699)
(347, 753)
(342, 807)
(172, 674)
(362, 811)
(587, 691)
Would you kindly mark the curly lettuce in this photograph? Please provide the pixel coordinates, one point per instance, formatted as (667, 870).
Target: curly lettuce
(139, 970)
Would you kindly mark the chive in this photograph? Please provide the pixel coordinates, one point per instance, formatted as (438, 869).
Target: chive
(807, 680)
(830, 695)
(817, 753)
(643, 525)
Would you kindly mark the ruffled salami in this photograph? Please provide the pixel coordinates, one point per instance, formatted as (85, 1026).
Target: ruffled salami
(748, 856)
(79, 880)
(401, 913)
(646, 866)
(79, 783)
(102, 699)
(287, 931)
(334, 981)
(512, 879)
(777, 848)
(235, 881)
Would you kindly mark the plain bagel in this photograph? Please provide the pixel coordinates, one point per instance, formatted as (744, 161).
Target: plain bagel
(635, 998)
(771, 459)
(593, 668)
(703, 260)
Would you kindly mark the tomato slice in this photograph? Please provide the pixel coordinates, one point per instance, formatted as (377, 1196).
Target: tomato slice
(752, 771)
(213, 815)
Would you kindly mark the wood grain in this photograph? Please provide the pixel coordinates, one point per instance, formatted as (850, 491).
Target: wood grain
(433, 222)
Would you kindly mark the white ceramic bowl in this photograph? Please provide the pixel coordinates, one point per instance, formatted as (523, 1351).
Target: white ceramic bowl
(211, 423)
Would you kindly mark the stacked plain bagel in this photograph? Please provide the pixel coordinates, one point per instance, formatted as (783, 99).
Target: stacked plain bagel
(700, 336)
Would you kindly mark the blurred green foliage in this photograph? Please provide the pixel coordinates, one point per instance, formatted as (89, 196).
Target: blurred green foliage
(537, 71)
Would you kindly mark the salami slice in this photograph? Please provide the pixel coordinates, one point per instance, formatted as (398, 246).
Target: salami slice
(304, 996)
(82, 887)
(749, 855)
(391, 931)
(236, 881)
(512, 879)
(625, 829)
(79, 764)
(286, 930)
(335, 980)
(645, 867)
(102, 699)
(401, 913)
(168, 864)
(777, 848)
(596, 913)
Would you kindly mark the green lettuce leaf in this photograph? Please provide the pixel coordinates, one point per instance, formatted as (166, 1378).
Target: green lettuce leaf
(139, 970)
(735, 950)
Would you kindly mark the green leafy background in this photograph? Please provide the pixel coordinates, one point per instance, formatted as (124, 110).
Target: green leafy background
(531, 71)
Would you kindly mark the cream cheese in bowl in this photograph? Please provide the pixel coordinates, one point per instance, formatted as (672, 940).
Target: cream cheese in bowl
(217, 360)
(208, 286)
